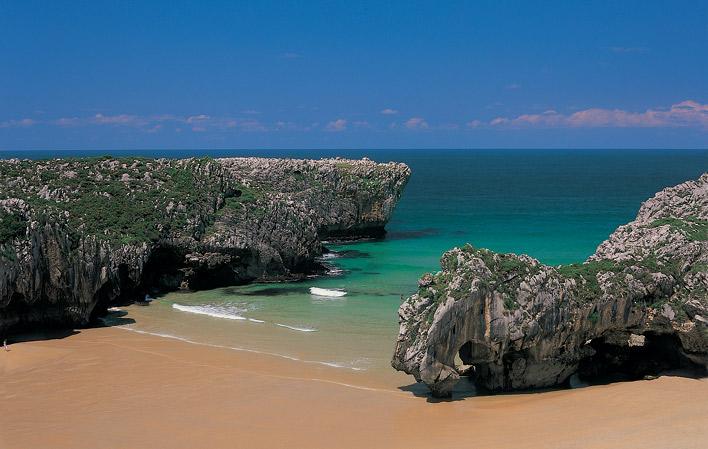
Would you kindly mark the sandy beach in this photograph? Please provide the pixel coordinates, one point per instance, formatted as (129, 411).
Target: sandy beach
(109, 388)
(244, 224)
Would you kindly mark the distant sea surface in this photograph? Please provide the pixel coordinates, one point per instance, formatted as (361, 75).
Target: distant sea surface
(555, 205)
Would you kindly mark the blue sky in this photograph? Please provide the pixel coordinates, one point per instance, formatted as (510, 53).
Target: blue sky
(264, 74)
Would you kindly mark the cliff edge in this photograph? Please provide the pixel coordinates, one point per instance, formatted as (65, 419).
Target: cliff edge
(77, 235)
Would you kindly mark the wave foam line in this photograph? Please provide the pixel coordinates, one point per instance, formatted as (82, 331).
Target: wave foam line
(330, 255)
(208, 311)
(235, 348)
(220, 312)
(295, 328)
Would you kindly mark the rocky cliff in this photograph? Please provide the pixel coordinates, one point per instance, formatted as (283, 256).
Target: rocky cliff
(639, 305)
(77, 235)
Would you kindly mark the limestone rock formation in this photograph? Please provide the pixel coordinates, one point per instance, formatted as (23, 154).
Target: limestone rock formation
(637, 306)
(77, 235)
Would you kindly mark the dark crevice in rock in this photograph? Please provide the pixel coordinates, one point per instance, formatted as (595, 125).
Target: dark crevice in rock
(164, 269)
(629, 357)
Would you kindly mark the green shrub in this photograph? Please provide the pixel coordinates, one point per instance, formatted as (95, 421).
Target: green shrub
(11, 226)
(100, 203)
(585, 274)
(692, 227)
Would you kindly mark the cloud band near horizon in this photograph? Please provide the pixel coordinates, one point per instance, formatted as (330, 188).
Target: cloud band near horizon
(687, 113)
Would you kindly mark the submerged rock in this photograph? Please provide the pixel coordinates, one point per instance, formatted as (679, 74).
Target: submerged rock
(637, 306)
(78, 235)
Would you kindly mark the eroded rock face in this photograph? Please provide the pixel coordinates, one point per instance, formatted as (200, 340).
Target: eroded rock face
(637, 306)
(78, 235)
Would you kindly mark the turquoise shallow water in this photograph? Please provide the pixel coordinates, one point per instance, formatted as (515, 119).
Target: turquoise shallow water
(555, 205)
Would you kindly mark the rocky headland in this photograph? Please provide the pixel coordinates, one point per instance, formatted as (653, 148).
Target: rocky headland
(78, 235)
(638, 306)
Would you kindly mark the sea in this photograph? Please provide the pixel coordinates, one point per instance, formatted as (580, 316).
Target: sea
(554, 205)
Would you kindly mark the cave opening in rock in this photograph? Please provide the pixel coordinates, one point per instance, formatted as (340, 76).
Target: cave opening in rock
(470, 354)
(163, 269)
(627, 356)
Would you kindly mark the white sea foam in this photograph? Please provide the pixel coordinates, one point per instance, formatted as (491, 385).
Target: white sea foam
(331, 255)
(327, 292)
(227, 313)
(231, 313)
(343, 365)
(295, 328)
(235, 348)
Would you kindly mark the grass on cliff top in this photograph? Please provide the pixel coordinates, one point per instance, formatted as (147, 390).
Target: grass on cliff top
(244, 195)
(11, 226)
(508, 271)
(586, 273)
(244, 198)
(99, 201)
(692, 227)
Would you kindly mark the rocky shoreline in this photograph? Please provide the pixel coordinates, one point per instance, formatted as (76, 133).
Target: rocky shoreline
(78, 235)
(639, 305)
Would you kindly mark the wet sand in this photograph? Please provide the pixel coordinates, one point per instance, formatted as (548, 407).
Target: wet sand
(109, 388)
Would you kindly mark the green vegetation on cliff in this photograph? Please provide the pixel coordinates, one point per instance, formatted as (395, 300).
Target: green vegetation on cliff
(11, 226)
(694, 228)
(127, 200)
(504, 273)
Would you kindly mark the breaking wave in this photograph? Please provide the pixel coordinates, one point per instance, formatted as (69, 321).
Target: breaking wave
(227, 313)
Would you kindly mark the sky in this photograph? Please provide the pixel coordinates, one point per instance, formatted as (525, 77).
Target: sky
(366, 74)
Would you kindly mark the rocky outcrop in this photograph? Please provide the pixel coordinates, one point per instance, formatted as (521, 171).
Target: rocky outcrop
(345, 198)
(78, 235)
(637, 306)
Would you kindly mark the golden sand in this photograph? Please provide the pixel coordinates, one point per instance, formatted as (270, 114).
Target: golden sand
(108, 388)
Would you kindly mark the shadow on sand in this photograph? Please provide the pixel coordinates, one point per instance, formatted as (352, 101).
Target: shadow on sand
(45, 334)
(112, 318)
(466, 388)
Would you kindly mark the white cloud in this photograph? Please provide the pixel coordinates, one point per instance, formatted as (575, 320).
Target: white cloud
(416, 123)
(21, 123)
(687, 113)
(197, 118)
(69, 121)
(684, 114)
(337, 125)
(285, 126)
(121, 119)
(389, 111)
